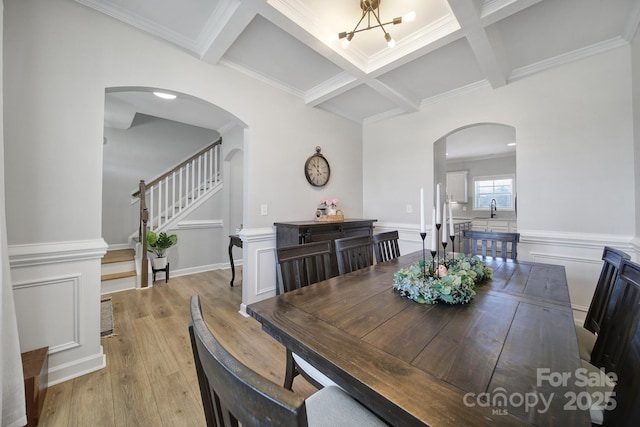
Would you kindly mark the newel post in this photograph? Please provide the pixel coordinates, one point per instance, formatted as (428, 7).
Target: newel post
(142, 235)
(144, 264)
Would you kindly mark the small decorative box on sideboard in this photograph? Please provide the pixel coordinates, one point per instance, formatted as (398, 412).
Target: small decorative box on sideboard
(35, 366)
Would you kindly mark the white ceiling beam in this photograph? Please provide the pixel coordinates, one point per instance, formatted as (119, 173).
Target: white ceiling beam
(469, 18)
(223, 27)
(331, 88)
(404, 101)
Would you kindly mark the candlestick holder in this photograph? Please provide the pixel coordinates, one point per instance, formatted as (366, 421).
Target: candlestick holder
(438, 238)
(444, 252)
(433, 263)
(453, 246)
(423, 235)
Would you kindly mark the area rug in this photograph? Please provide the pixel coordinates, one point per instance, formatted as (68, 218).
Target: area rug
(106, 318)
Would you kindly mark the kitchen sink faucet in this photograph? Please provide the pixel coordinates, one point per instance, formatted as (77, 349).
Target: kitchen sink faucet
(494, 208)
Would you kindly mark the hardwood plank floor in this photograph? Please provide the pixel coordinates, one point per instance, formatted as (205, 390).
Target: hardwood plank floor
(150, 379)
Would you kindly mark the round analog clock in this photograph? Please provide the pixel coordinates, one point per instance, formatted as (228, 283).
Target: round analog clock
(316, 169)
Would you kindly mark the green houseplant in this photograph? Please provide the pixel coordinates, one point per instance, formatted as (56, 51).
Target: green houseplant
(157, 244)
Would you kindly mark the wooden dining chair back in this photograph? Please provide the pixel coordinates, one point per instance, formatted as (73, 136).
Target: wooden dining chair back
(618, 344)
(385, 246)
(613, 259)
(231, 392)
(354, 253)
(622, 316)
(478, 242)
(302, 265)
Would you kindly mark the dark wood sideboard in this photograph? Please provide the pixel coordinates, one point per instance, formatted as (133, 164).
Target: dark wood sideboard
(300, 232)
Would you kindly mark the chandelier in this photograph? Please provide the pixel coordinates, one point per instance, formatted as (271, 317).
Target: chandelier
(371, 9)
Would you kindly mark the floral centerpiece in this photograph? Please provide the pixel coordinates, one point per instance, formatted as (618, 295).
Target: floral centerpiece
(453, 282)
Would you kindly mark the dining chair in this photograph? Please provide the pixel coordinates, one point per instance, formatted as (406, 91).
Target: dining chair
(622, 317)
(354, 253)
(484, 239)
(618, 348)
(300, 266)
(385, 246)
(233, 393)
(586, 333)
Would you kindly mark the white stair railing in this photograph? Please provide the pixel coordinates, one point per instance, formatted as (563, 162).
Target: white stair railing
(176, 190)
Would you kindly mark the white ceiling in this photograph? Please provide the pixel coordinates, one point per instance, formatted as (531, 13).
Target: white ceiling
(452, 46)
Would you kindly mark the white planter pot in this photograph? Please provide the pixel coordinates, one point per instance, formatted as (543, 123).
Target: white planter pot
(159, 263)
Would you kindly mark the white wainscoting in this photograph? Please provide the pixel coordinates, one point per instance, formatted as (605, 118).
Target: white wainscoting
(259, 269)
(57, 295)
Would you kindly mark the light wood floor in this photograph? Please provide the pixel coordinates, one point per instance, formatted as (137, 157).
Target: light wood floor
(150, 379)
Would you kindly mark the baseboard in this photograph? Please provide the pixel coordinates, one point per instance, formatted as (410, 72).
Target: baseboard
(203, 268)
(65, 372)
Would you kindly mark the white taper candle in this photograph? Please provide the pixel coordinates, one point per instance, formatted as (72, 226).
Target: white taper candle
(422, 227)
(444, 224)
(450, 221)
(434, 232)
(438, 217)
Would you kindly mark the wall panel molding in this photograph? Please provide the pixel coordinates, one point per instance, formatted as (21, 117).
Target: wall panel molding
(57, 296)
(43, 293)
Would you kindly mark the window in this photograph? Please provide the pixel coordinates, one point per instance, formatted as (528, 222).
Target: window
(500, 188)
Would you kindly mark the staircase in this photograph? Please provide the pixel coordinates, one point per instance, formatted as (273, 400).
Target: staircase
(163, 202)
(118, 271)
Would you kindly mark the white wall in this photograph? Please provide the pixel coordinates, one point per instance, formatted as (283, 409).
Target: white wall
(635, 58)
(575, 161)
(59, 58)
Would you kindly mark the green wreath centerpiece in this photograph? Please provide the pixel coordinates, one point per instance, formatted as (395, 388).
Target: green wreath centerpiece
(453, 282)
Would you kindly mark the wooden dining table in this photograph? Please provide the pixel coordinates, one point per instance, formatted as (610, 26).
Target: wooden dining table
(508, 357)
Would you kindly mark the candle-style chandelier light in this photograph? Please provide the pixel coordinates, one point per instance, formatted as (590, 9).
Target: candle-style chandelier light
(371, 8)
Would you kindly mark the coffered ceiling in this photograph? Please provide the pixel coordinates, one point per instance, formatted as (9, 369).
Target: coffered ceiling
(452, 46)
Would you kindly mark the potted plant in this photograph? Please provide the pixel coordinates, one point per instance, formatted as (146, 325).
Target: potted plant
(157, 244)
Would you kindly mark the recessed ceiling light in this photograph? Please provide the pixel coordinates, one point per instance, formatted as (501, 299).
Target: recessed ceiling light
(511, 144)
(164, 95)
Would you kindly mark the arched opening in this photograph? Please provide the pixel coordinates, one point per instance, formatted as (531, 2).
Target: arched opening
(476, 164)
(144, 137)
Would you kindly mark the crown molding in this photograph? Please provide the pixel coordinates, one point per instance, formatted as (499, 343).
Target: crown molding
(566, 58)
(141, 23)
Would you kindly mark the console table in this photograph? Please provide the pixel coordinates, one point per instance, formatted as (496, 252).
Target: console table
(300, 232)
(234, 240)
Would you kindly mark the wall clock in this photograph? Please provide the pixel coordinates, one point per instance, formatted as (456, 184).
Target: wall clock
(316, 169)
